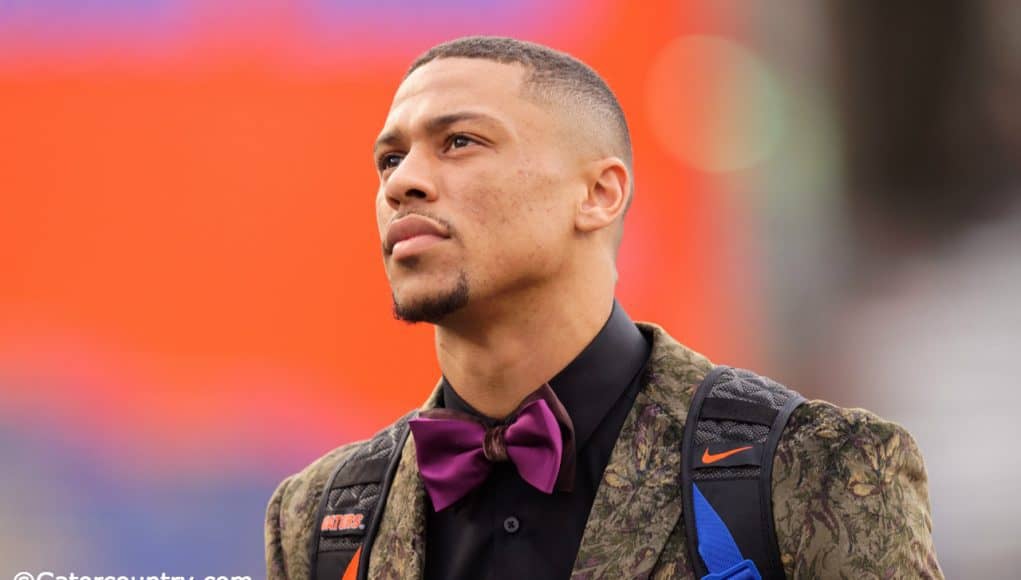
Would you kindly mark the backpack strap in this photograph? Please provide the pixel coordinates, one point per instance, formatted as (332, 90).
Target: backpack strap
(730, 437)
(352, 505)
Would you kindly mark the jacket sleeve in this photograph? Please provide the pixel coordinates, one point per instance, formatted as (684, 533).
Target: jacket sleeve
(276, 567)
(850, 498)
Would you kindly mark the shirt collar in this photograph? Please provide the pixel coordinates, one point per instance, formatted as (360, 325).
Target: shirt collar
(590, 384)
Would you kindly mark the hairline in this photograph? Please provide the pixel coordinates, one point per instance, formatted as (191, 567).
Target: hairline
(532, 87)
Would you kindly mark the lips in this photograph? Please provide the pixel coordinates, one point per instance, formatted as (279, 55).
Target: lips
(412, 226)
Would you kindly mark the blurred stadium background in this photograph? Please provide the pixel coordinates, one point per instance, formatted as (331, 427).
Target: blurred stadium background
(192, 303)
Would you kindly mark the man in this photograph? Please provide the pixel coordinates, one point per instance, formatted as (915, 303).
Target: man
(505, 173)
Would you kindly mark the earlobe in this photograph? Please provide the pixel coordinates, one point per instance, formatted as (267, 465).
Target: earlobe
(606, 195)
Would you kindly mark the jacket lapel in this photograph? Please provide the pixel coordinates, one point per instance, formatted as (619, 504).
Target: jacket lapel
(638, 504)
(399, 549)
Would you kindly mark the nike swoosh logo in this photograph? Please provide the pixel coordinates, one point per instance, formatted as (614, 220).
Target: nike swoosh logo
(708, 458)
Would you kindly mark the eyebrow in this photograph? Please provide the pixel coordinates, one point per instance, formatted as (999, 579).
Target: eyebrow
(433, 126)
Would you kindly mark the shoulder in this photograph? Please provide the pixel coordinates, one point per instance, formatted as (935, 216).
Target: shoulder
(824, 441)
(292, 509)
(298, 495)
(291, 513)
(850, 495)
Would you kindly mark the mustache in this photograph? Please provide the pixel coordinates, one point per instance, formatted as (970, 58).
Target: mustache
(387, 249)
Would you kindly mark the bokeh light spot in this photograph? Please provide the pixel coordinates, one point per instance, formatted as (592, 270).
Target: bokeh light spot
(714, 104)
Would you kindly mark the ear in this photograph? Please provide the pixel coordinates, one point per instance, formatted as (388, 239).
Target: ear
(608, 185)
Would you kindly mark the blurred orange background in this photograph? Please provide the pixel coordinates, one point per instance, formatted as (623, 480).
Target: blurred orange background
(192, 289)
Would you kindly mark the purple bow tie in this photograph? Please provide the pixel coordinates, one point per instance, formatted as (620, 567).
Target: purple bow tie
(456, 451)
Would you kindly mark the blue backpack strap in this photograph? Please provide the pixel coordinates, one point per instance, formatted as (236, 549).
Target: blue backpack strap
(352, 504)
(717, 547)
(730, 436)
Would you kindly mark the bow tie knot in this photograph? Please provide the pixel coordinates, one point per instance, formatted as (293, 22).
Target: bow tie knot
(456, 451)
(494, 447)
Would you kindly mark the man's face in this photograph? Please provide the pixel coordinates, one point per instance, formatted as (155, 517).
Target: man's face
(483, 172)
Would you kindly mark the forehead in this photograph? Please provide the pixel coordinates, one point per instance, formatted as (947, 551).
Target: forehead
(448, 84)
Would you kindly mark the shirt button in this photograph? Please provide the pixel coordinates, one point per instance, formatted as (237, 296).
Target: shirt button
(511, 525)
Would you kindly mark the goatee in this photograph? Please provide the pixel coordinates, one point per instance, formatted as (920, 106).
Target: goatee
(434, 309)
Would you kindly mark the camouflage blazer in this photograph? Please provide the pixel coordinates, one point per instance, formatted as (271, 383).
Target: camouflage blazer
(849, 494)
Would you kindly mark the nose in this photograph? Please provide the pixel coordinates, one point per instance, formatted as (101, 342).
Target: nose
(410, 180)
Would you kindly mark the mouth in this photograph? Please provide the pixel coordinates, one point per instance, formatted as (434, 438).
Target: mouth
(411, 235)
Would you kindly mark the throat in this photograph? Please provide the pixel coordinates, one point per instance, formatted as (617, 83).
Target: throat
(494, 364)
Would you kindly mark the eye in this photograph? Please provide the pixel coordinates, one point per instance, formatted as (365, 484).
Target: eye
(388, 161)
(459, 141)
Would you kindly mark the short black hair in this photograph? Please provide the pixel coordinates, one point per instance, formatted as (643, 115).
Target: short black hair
(550, 72)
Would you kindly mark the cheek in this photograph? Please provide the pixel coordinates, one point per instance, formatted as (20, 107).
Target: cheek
(524, 220)
(383, 213)
(540, 207)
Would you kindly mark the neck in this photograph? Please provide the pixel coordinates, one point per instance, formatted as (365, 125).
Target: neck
(496, 357)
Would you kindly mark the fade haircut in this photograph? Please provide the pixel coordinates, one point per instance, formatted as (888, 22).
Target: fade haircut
(551, 73)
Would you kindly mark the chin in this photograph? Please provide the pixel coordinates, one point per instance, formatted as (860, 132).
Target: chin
(434, 306)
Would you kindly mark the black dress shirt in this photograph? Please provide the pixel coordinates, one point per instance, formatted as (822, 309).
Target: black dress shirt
(505, 528)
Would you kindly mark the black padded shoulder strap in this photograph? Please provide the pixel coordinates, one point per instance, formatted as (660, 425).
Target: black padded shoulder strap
(352, 503)
(732, 430)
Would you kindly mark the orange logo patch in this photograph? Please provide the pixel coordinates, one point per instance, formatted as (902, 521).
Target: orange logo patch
(340, 522)
(714, 457)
